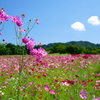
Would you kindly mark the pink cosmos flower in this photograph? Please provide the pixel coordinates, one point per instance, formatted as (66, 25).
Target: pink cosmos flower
(38, 88)
(44, 75)
(86, 56)
(97, 81)
(52, 92)
(32, 94)
(83, 94)
(96, 88)
(65, 83)
(47, 88)
(84, 83)
(42, 52)
(56, 80)
(21, 30)
(33, 52)
(31, 83)
(39, 52)
(30, 45)
(37, 22)
(19, 23)
(31, 41)
(14, 19)
(25, 40)
(40, 44)
(98, 74)
(3, 16)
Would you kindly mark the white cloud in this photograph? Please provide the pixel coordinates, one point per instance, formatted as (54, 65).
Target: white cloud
(78, 26)
(94, 20)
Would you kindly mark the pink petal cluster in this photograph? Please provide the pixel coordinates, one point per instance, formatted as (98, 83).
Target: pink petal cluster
(39, 52)
(16, 20)
(33, 52)
(83, 94)
(31, 83)
(25, 40)
(47, 88)
(52, 92)
(42, 52)
(40, 44)
(37, 22)
(30, 45)
(21, 30)
(3, 15)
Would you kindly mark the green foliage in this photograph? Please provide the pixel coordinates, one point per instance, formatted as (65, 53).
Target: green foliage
(72, 49)
(78, 43)
(69, 48)
(11, 49)
(60, 48)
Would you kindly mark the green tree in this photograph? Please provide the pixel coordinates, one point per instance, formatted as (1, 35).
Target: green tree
(4, 50)
(12, 48)
(60, 48)
(72, 49)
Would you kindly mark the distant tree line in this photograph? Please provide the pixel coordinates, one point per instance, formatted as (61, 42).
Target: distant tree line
(72, 47)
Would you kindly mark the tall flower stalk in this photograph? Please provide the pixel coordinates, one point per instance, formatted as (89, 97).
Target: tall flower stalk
(20, 39)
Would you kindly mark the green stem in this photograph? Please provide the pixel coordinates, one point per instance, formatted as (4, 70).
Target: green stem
(28, 30)
(2, 26)
(16, 31)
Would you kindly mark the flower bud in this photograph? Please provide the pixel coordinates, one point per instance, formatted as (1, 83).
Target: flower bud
(23, 15)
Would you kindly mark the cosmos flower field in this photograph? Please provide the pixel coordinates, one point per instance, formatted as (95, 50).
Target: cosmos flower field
(57, 77)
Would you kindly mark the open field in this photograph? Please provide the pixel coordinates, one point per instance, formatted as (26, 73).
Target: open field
(59, 54)
(54, 77)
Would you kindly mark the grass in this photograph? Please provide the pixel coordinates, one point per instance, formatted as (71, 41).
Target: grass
(55, 77)
(59, 54)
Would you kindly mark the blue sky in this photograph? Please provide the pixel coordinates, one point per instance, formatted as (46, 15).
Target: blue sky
(60, 20)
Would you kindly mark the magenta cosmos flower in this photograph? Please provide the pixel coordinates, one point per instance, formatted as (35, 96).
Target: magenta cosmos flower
(3, 15)
(33, 52)
(42, 52)
(37, 22)
(31, 83)
(83, 94)
(30, 45)
(52, 92)
(19, 23)
(25, 40)
(16, 20)
(47, 88)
